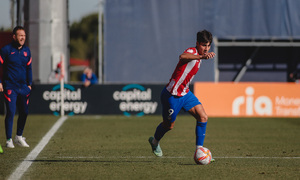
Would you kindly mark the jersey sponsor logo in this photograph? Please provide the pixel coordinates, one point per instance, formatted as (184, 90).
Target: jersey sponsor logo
(72, 100)
(135, 99)
(25, 53)
(12, 52)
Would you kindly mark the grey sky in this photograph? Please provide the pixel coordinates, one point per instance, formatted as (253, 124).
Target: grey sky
(77, 9)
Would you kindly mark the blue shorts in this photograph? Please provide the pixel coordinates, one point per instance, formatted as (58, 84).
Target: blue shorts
(171, 105)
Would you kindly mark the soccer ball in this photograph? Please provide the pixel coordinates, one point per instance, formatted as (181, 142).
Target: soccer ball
(202, 156)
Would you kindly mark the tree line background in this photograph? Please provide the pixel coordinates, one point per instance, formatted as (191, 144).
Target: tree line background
(84, 43)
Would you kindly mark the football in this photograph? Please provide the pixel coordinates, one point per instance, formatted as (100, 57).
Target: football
(202, 156)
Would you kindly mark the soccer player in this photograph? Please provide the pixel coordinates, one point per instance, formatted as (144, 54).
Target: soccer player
(15, 58)
(176, 95)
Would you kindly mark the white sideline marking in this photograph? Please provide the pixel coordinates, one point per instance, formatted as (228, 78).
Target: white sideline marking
(250, 157)
(22, 168)
(166, 157)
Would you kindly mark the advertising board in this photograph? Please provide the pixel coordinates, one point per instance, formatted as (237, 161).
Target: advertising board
(127, 99)
(249, 99)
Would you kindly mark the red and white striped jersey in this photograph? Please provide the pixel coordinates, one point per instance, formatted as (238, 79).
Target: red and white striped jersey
(183, 75)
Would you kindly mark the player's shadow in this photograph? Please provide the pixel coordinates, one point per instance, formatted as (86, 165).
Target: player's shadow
(192, 164)
(83, 161)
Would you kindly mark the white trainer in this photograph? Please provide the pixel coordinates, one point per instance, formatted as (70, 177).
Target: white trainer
(9, 143)
(21, 141)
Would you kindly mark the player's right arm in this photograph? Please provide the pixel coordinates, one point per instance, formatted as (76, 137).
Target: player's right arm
(1, 66)
(189, 57)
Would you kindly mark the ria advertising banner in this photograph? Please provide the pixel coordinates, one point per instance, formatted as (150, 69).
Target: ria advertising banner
(249, 99)
(129, 100)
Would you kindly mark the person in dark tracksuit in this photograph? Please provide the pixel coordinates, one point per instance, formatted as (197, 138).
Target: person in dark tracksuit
(15, 59)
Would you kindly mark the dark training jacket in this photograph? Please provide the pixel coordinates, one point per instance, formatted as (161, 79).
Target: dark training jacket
(16, 66)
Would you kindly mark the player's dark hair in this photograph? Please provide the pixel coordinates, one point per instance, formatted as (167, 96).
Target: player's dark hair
(17, 28)
(204, 36)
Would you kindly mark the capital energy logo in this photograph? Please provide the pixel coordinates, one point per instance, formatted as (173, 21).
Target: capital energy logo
(72, 100)
(135, 99)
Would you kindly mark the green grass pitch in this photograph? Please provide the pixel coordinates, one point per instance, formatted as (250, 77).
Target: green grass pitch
(116, 147)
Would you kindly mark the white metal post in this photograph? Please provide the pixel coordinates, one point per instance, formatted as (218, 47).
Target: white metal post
(62, 88)
(100, 59)
(216, 60)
